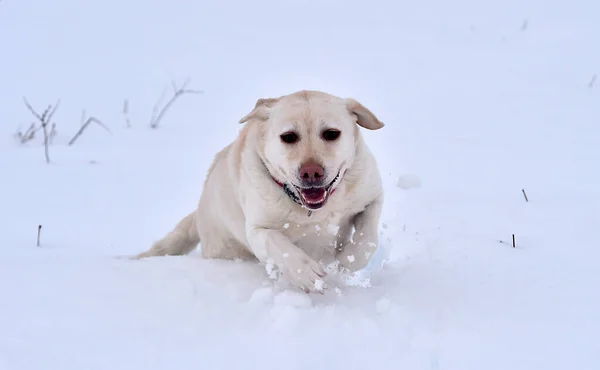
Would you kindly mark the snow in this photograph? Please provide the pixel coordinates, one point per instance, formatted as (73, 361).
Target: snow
(408, 181)
(292, 298)
(333, 229)
(382, 305)
(319, 285)
(480, 100)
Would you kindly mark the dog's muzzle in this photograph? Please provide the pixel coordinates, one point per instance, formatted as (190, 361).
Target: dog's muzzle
(316, 197)
(311, 198)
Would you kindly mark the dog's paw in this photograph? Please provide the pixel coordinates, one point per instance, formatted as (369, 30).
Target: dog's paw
(305, 274)
(356, 256)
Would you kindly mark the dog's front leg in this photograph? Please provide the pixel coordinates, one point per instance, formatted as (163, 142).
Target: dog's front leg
(271, 246)
(356, 254)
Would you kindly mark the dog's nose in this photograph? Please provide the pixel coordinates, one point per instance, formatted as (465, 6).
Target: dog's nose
(312, 173)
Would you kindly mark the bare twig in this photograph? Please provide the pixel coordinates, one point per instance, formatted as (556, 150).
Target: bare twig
(44, 119)
(177, 92)
(29, 134)
(85, 125)
(525, 195)
(53, 133)
(126, 113)
(38, 235)
(155, 108)
(514, 245)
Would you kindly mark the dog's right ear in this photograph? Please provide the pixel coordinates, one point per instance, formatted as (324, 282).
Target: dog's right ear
(261, 109)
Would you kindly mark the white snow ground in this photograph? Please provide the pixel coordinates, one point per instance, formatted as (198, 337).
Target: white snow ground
(480, 100)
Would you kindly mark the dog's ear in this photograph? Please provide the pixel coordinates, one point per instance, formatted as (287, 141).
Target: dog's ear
(364, 117)
(261, 109)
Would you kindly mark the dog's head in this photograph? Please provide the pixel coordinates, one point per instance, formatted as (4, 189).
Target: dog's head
(308, 140)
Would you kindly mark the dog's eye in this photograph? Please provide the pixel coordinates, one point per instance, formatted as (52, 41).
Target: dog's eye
(289, 137)
(331, 135)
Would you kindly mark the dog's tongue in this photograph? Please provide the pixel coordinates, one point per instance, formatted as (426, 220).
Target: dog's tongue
(314, 195)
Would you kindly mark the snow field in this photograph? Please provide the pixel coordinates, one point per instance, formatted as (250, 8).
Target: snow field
(480, 101)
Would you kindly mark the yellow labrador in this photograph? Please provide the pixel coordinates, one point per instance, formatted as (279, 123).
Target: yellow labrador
(289, 190)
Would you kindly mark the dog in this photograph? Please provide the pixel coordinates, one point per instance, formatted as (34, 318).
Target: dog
(297, 188)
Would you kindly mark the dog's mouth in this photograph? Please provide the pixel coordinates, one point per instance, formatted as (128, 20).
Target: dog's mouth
(316, 197)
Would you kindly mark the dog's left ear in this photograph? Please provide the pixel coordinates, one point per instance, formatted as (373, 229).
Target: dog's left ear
(364, 117)
(261, 109)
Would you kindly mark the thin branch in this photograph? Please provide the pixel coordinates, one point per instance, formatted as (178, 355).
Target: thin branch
(514, 245)
(525, 195)
(53, 133)
(48, 113)
(592, 81)
(185, 84)
(53, 111)
(177, 92)
(85, 125)
(155, 108)
(33, 111)
(44, 119)
(99, 123)
(29, 134)
(126, 113)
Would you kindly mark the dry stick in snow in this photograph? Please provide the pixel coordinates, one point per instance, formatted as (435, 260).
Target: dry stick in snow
(155, 108)
(126, 113)
(177, 92)
(525, 195)
(514, 245)
(44, 119)
(53, 133)
(85, 125)
(29, 134)
(82, 118)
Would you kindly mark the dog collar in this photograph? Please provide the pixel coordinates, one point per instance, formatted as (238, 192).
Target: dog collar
(290, 194)
(288, 191)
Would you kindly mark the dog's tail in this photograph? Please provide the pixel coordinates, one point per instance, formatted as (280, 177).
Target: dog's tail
(181, 240)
